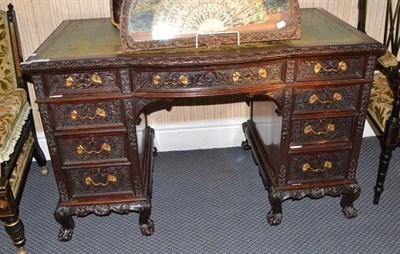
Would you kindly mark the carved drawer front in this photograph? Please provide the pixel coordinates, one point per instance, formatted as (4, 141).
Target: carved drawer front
(334, 68)
(270, 73)
(99, 181)
(79, 149)
(87, 115)
(318, 166)
(93, 81)
(326, 98)
(330, 129)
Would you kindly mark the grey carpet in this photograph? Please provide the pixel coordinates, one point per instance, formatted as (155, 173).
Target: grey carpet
(213, 201)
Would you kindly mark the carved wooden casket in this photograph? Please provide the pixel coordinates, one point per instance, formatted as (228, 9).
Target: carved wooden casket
(160, 24)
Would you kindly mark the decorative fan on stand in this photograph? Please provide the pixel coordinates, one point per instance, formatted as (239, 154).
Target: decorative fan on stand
(156, 24)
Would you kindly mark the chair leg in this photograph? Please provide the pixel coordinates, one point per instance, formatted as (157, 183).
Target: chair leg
(15, 230)
(384, 161)
(40, 158)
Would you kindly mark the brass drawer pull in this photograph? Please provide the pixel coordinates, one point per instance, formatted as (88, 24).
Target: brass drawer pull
(318, 68)
(262, 74)
(183, 80)
(336, 97)
(110, 179)
(74, 115)
(104, 147)
(95, 80)
(327, 165)
(329, 128)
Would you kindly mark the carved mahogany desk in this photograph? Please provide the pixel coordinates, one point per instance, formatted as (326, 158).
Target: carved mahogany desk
(92, 98)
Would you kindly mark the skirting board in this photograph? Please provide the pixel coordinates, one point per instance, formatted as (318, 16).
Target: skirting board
(199, 135)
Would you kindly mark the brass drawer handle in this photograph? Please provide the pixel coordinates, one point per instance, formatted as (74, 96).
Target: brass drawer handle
(262, 74)
(110, 179)
(95, 80)
(104, 147)
(183, 80)
(329, 128)
(318, 68)
(336, 97)
(74, 115)
(327, 165)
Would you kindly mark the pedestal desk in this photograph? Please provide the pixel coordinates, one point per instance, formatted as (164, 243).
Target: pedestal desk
(92, 98)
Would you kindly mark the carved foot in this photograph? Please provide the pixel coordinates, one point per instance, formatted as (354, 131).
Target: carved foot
(274, 218)
(65, 234)
(64, 217)
(348, 199)
(350, 212)
(148, 228)
(245, 145)
(22, 250)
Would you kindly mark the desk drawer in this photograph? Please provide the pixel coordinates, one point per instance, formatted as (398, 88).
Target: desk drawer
(269, 73)
(330, 68)
(88, 115)
(78, 82)
(326, 99)
(318, 166)
(99, 181)
(94, 148)
(329, 129)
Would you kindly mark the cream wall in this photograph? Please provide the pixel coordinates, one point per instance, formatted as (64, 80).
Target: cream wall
(38, 18)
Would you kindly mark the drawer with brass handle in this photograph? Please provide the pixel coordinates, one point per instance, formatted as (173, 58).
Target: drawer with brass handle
(64, 83)
(88, 115)
(99, 181)
(326, 69)
(270, 73)
(75, 150)
(317, 130)
(318, 166)
(318, 99)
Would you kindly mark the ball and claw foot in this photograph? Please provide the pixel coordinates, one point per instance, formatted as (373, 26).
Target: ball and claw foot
(274, 218)
(147, 229)
(245, 145)
(350, 212)
(43, 171)
(22, 250)
(65, 234)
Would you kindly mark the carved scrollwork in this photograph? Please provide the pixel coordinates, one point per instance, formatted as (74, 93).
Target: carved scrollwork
(87, 114)
(321, 99)
(93, 148)
(229, 77)
(83, 81)
(100, 180)
(319, 166)
(315, 130)
(331, 68)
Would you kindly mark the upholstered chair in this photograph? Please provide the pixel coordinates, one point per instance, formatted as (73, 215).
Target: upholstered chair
(18, 141)
(384, 104)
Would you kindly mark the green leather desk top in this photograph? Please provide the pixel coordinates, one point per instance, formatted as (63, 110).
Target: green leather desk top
(98, 38)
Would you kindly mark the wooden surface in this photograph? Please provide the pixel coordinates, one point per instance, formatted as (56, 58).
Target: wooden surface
(91, 97)
(37, 19)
